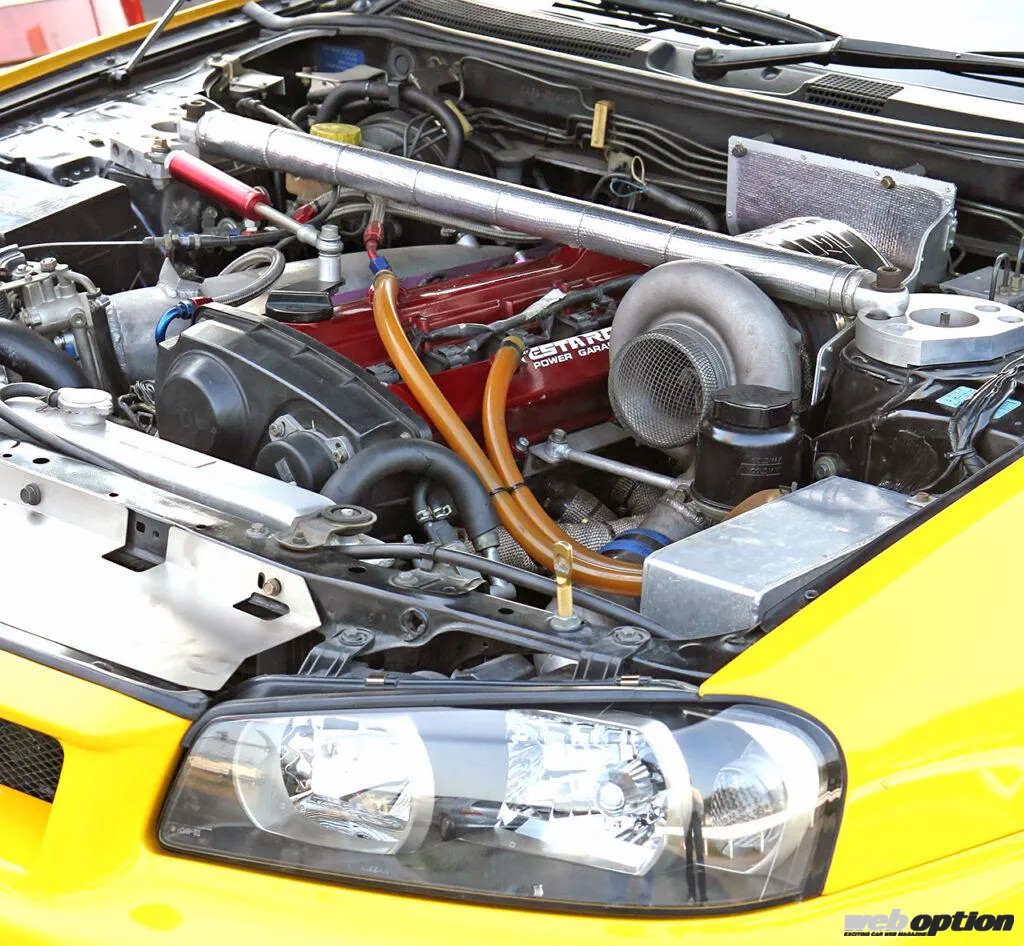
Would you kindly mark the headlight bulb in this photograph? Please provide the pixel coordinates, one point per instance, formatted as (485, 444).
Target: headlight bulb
(356, 783)
(608, 793)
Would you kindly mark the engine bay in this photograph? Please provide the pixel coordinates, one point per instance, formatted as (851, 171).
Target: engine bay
(335, 356)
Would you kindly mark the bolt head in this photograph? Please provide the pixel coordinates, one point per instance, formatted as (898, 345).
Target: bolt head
(825, 466)
(888, 279)
(739, 151)
(195, 109)
(572, 622)
(31, 494)
(629, 635)
(354, 637)
(271, 587)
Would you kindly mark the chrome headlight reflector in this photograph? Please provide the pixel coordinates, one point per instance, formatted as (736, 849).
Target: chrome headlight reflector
(658, 803)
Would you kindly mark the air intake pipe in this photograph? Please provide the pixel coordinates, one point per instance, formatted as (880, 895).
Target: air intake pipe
(816, 283)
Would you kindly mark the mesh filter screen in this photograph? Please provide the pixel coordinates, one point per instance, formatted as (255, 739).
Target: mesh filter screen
(661, 382)
(30, 761)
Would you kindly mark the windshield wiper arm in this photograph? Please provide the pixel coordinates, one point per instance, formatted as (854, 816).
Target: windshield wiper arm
(749, 22)
(713, 62)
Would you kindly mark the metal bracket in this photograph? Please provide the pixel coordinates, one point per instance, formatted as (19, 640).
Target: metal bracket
(332, 657)
(436, 582)
(828, 360)
(596, 666)
(340, 448)
(326, 528)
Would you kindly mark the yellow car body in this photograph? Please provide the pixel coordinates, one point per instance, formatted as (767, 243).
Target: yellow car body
(914, 662)
(932, 736)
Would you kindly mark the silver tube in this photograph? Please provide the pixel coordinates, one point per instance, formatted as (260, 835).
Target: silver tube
(442, 220)
(555, 452)
(806, 280)
(329, 249)
(303, 232)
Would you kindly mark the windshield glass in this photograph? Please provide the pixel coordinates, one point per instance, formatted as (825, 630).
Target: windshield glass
(979, 26)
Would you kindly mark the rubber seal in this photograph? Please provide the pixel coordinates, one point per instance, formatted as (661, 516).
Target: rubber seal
(640, 542)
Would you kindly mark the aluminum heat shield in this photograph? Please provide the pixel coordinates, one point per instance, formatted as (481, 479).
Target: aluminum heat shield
(911, 220)
(174, 615)
(725, 579)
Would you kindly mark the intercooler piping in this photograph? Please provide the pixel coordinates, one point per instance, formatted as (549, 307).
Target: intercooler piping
(814, 282)
(532, 528)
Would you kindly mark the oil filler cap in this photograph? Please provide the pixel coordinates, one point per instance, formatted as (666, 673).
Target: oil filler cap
(752, 406)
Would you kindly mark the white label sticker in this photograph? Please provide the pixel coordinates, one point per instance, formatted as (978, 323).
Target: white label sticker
(579, 346)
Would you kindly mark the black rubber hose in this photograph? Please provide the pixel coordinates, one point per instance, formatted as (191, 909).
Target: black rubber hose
(621, 616)
(377, 89)
(253, 108)
(446, 118)
(420, 458)
(423, 500)
(689, 210)
(6, 312)
(344, 92)
(302, 115)
(37, 359)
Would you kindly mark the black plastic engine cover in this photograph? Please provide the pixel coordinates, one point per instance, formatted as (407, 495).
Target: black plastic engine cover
(221, 384)
(888, 426)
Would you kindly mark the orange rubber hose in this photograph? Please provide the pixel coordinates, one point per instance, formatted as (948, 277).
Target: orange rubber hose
(623, 577)
(592, 570)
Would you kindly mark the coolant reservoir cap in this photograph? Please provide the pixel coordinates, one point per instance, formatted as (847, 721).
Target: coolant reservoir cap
(753, 406)
(337, 131)
(84, 407)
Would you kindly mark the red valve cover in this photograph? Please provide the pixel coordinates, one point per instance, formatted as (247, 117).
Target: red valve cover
(560, 384)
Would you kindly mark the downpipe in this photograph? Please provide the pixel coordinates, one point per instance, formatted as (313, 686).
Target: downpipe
(808, 281)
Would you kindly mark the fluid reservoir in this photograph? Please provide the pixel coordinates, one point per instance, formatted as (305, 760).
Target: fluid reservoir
(748, 441)
(306, 189)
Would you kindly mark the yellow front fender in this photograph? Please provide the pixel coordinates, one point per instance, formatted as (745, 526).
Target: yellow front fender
(916, 664)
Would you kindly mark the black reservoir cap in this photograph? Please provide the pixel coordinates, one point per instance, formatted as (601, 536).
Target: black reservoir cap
(753, 406)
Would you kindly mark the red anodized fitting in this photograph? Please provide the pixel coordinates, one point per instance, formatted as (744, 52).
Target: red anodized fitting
(213, 182)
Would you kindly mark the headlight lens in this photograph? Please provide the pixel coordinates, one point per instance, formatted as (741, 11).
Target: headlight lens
(663, 805)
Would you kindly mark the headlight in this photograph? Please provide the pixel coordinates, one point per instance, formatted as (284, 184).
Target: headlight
(658, 803)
